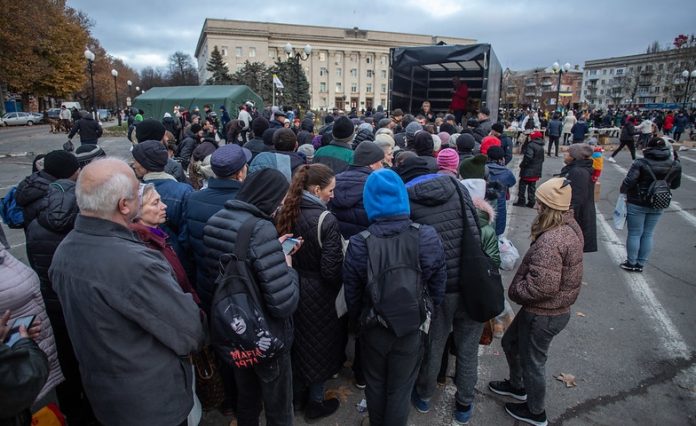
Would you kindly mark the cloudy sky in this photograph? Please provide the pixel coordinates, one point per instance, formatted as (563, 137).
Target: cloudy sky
(524, 33)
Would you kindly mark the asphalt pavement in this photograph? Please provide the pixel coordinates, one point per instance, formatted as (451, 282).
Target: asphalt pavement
(630, 343)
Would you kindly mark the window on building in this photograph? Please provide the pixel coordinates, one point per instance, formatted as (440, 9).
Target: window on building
(368, 59)
(384, 88)
(383, 73)
(611, 71)
(353, 72)
(339, 72)
(252, 52)
(661, 67)
(601, 92)
(322, 86)
(323, 72)
(223, 50)
(619, 71)
(272, 53)
(322, 56)
(640, 68)
(323, 102)
(354, 87)
(369, 73)
(604, 72)
(603, 81)
(339, 57)
(593, 72)
(383, 60)
(339, 87)
(369, 87)
(354, 57)
(238, 52)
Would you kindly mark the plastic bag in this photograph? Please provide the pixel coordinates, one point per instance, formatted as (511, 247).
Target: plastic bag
(508, 254)
(620, 212)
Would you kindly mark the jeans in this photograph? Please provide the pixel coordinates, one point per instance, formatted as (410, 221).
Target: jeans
(390, 365)
(553, 140)
(526, 344)
(529, 188)
(641, 222)
(467, 333)
(269, 384)
(631, 147)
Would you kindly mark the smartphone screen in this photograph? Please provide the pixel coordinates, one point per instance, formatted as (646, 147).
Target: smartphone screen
(289, 244)
(13, 336)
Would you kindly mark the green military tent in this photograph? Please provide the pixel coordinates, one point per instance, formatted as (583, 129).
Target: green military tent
(158, 100)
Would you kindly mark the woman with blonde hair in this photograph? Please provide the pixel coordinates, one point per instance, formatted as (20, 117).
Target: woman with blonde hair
(546, 284)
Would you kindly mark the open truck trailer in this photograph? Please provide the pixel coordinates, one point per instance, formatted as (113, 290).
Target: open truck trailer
(425, 73)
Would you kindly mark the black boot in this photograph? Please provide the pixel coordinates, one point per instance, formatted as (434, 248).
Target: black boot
(317, 410)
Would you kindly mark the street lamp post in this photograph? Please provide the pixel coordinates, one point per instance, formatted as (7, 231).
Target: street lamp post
(688, 76)
(560, 71)
(89, 55)
(304, 54)
(118, 108)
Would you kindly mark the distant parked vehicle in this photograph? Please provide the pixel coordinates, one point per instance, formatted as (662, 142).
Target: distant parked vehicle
(54, 113)
(20, 119)
(39, 116)
(104, 115)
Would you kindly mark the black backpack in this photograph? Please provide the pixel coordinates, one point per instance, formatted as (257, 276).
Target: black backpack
(239, 331)
(659, 194)
(398, 299)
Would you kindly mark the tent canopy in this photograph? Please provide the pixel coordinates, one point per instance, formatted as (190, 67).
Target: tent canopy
(158, 100)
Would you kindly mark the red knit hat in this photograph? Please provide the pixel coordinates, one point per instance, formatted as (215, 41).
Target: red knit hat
(536, 135)
(448, 159)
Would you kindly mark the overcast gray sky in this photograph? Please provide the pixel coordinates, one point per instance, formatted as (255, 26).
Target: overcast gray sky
(524, 34)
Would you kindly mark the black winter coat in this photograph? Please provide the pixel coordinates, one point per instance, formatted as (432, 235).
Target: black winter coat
(347, 203)
(29, 193)
(638, 179)
(434, 201)
(257, 146)
(579, 172)
(172, 125)
(278, 283)
(533, 159)
(198, 208)
(88, 128)
(320, 336)
(55, 220)
(186, 148)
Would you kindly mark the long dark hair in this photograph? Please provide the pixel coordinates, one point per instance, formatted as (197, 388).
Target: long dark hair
(305, 177)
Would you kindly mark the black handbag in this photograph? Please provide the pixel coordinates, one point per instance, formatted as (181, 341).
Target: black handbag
(480, 283)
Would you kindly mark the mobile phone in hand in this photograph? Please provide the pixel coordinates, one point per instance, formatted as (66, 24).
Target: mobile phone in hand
(289, 245)
(13, 336)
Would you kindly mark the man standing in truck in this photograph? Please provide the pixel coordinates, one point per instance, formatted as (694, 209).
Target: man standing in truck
(460, 97)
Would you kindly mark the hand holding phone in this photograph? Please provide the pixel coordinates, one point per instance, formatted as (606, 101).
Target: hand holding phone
(19, 329)
(290, 244)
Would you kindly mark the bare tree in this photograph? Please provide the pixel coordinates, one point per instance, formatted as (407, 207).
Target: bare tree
(182, 72)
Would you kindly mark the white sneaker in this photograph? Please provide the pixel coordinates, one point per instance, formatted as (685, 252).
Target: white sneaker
(611, 159)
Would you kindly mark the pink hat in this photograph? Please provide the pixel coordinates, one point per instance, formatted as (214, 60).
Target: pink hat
(448, 159)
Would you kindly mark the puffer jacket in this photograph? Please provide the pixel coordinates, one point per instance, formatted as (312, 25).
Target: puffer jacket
(505, 180)
(198, 208)
(45, 233)
(533, 160)
(579, 172)
(20, 293)
(363, 135)
(29, 193)
(186, 147)
(432, 262)
(278, 283)
(347, 203)
(638, 179)
(489, 239)
(434, 201)
(320, 336)
(628, 131)
(549, 278)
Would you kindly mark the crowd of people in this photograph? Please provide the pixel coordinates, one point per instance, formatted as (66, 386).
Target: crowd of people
(364, 226)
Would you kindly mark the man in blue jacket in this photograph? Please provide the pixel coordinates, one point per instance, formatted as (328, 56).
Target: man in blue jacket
(383, 349)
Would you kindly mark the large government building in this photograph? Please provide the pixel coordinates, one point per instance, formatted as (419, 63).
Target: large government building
(347, 67)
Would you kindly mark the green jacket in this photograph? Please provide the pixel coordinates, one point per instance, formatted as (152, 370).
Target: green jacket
(489, 239)
(337, 155)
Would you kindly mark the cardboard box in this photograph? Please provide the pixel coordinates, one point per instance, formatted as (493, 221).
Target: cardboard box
(597, 191)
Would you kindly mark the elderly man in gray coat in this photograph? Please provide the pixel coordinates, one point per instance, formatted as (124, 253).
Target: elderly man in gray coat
(131, 326)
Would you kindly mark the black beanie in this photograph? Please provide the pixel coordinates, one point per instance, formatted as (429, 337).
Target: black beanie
(258, 126)
(411, 168)
(149, 129)
(87, 152)
(267, 137)
(343, 129)
(495, 153)
(60, 164)
(446, 127)
(367, 153)
(195, 128)
(307, 124)
(466, 142)
(423, 144)
(497, 127)
(152, 155)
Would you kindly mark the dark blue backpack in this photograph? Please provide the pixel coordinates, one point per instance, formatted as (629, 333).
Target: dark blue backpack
(11, 212)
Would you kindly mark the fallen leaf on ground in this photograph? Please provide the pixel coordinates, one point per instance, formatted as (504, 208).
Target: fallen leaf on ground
(568, 379)
(580, 314)
(342, 393)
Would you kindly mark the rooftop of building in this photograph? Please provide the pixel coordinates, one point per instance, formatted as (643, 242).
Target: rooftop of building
(641, 57)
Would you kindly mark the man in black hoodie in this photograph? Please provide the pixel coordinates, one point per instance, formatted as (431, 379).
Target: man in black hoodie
(578, 171)
(90, 130)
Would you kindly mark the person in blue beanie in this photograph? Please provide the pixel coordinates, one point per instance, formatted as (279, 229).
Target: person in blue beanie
(392, 319)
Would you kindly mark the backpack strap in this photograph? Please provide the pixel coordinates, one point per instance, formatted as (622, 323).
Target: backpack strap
(319, 224)
(650, 170)
(241, 248)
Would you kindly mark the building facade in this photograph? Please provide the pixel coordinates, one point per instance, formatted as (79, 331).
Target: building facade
(647, 78)
(538, 88)
(347, 67)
